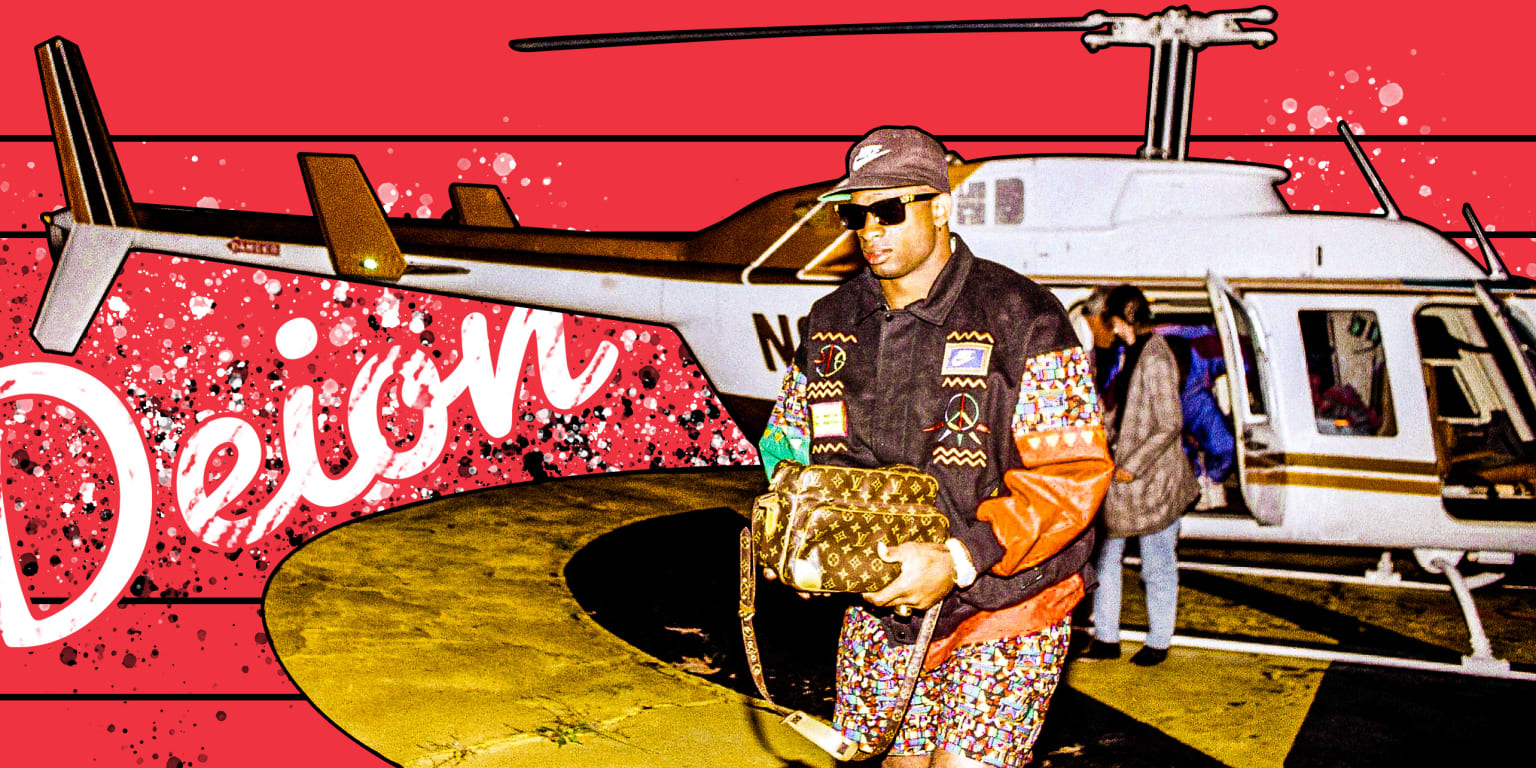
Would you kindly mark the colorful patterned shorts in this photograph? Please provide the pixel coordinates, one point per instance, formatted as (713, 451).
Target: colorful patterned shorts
(986, 702)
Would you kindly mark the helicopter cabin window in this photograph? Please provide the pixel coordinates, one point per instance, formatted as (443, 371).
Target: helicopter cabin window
(1008, 201)
(971, 204)
(1347, 370)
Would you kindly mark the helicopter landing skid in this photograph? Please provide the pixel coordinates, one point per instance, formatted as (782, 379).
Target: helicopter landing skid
(1481, 662)
(1498, 668)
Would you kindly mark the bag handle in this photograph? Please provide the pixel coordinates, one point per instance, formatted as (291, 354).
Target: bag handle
(821, 734)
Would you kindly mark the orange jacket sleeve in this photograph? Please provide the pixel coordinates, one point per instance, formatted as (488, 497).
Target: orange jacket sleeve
(1064, 462)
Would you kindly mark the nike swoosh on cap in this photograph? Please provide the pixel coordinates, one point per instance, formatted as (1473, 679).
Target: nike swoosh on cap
(868, 154)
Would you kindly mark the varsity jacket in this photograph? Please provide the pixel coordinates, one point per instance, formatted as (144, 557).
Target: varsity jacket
(983, 385)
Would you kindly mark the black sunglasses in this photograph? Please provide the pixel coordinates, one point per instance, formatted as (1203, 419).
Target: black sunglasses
(889, 212)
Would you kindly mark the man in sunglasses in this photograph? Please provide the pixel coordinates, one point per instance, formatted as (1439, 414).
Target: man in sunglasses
(959, 366)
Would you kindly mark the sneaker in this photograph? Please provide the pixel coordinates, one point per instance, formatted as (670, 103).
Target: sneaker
(1099, 651)
(1149, 656)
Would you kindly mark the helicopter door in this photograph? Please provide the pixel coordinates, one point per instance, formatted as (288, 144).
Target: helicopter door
(1517, 333)
(1242, 340)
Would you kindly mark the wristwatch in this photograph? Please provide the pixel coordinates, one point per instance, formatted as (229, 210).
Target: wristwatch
(965, 571)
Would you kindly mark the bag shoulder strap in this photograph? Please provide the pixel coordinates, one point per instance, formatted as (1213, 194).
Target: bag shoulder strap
(821, 734)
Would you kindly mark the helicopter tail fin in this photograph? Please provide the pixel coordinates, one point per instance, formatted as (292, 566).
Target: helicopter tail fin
(93, 178)
(89, 250)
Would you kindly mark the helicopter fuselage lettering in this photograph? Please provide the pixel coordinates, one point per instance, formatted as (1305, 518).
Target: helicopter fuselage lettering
(780, 342)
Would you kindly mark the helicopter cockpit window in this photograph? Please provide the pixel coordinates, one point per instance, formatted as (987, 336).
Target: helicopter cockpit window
(1483, 419)
(971, 204)
(1347, 369)
(1008, 201)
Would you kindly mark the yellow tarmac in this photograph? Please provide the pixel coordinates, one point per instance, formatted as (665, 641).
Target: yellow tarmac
(444, 634)
(472, 652)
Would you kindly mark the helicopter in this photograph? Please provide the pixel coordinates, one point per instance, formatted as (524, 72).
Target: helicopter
(1384, 412)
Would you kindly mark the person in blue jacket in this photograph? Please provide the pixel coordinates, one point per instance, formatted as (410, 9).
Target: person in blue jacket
(1207, 436)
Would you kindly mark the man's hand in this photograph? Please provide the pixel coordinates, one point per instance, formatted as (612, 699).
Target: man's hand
(927, 575)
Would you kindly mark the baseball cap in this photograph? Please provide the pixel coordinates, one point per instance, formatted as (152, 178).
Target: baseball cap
(893, 156)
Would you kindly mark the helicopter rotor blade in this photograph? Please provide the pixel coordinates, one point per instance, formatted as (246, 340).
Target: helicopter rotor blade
(573, 42)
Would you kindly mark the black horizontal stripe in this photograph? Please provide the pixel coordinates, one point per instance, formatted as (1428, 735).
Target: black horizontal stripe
(162, 601)
(1506, 234)
(127, 697)
(785, 138)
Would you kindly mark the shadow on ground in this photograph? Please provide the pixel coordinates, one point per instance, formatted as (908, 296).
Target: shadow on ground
(668, 586)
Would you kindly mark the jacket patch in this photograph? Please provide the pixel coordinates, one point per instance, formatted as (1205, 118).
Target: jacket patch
(829, 448)
(974, 382)
(962, 419)
(966, 358)
(829, 419)
(965, 457)
(1065, 437)
(824, 390)
(1056, 392)
(969, 336)
(789, 412)
(846, 338)
(829, 360)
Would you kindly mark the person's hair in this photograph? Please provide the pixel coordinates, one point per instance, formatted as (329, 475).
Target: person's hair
(1128, 303)
(1093, 306)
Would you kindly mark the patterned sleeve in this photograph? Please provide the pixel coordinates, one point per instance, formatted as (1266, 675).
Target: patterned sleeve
(787, 435)
(1065, 470)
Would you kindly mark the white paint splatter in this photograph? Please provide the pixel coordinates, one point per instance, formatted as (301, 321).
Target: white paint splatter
(1352, 76)
(296, 338)
(1390, 94)
(1424, 191)
(1289, 105)
(340, 333)
(389, 310)
(208, 202)
(504, 164)
(200, 306)
(1317, 116)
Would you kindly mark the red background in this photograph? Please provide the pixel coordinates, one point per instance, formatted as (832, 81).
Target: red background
(211, 101)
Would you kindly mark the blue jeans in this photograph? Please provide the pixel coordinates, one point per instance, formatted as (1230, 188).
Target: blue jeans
(1159, 572)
